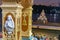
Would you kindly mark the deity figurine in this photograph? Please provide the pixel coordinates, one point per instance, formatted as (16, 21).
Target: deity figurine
(43, 17)
(9, 24)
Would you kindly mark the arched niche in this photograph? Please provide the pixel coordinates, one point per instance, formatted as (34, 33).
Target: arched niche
(5, 32)
(5, 18)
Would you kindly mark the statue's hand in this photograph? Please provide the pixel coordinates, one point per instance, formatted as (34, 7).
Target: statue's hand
(10, 26)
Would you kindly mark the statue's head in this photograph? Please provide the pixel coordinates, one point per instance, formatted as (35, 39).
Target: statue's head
(9, 17)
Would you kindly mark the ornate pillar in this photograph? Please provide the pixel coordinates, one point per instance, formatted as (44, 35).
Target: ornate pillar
(26, 22)
(26, 28)
(18, 21)
(14, 10)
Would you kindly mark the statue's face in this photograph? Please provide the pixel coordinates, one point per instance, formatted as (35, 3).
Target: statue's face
(9, 18)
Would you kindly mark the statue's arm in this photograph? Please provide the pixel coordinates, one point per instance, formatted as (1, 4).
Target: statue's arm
(5, 24)
(12, 26)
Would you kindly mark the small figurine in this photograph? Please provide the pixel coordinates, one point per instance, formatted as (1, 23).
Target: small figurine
(42, 17)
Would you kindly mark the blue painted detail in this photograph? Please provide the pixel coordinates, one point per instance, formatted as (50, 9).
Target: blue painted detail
(25, 38)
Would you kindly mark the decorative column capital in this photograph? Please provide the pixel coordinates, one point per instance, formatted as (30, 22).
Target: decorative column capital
(19, 6)
(30, 8)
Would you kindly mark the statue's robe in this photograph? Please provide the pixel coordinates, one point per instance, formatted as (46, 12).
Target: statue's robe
(9, 26)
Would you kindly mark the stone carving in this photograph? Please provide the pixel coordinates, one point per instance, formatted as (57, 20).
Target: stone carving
(9, 24)
(24, 21)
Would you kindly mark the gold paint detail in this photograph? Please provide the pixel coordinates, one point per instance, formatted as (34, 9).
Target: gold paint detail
(24, 22)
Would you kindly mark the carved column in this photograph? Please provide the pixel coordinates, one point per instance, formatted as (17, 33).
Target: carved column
(26, 22)
(15, 10)
(18, 21)
(5, 12)
(26, 27)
